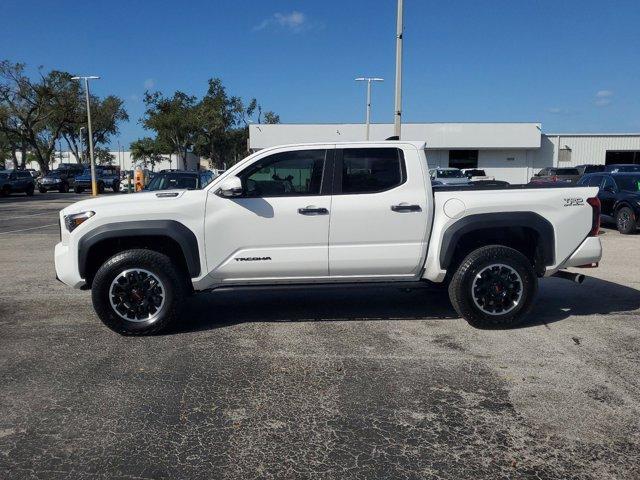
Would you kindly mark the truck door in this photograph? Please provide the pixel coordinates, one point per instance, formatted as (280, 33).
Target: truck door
(278, 228)
(379, 214)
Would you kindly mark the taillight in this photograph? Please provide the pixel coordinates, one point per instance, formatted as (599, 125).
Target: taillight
(595, 222)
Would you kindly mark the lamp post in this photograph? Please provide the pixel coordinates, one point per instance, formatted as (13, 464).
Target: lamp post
(81, 145)
(398, 102)
(369, 80)
(94, 186)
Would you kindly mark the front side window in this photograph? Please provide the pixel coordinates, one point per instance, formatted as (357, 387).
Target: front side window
(370, 170)
(286, 174)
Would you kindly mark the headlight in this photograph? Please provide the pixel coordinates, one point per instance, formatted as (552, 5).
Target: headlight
(73, 221)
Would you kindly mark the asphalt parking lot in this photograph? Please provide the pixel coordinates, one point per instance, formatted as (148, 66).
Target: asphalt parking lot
(333, 383)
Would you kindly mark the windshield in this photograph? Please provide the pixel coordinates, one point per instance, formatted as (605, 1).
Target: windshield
(630, 183)
(450, 174)
(169, 181)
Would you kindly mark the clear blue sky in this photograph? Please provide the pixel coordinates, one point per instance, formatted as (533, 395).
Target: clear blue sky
(573, 65)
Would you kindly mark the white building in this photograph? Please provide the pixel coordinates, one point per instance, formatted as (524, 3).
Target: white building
(507, 151)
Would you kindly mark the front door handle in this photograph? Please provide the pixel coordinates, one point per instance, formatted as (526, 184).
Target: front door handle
(405, 207)
(312, 210)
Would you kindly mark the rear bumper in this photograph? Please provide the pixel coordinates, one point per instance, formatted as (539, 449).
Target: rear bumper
(588, 253)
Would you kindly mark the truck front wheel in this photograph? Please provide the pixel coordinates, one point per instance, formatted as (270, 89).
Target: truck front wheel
(493, 287)
(138, 292)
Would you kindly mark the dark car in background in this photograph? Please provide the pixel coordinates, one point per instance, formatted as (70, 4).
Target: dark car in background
(589, 168)
(619, 195)
(61, 179)
(179, 180)
(106, 177)
(16, 181)
(622, 167)
(556, 175)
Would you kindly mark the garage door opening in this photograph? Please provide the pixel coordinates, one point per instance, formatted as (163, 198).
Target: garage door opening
(622, 156)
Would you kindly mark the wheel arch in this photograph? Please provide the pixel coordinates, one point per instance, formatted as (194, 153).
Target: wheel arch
(168, 236)
(526, 231)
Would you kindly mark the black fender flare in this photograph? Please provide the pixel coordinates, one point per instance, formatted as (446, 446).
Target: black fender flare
(484, 221)
(147, 228)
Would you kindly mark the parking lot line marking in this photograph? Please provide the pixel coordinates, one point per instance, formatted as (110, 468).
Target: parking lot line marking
(27, 229)
(27, 216)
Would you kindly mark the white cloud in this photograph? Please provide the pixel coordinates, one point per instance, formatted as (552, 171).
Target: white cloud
(603, 98)
(149, 83)
(295, 22)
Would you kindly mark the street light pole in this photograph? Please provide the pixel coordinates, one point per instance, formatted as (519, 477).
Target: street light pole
(81, 145)
(369, 80)
(94, 186)
(398, 103)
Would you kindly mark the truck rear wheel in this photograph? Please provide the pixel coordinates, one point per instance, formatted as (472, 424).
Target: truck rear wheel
(493, 287)
(138, 292)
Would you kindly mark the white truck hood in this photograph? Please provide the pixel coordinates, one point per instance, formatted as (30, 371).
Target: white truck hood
(123, 202)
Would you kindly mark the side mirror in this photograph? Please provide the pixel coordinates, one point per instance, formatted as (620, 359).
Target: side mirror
(231, 187)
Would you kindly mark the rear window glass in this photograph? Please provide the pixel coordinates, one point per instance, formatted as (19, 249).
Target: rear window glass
(368, 170)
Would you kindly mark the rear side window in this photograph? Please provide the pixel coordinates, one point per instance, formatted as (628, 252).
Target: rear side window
(370, 170)
(595, 181)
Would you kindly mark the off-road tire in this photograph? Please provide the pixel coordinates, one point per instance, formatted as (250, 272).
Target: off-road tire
(626, 221)
(160, 265)
(42, 190)
(461, 286)
(29, 191)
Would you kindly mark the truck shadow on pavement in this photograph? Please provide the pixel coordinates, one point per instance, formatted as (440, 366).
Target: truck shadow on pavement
(557, 300)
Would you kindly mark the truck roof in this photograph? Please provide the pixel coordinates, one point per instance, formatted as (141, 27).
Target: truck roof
(418, 144)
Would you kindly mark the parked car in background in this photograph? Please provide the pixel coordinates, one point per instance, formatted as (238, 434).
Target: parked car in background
(476, 175)
(180, 180)
(61, 179)
(589, 168)
(33, 172)
(619, 195)
(16, 181)
(448, 176)
(556, 175)
(106, 177)
(622, 167)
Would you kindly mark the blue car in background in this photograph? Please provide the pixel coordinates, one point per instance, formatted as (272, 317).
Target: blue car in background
(106, 177)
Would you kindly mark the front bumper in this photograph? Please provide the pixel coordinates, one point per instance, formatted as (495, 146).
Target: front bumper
(67, 266)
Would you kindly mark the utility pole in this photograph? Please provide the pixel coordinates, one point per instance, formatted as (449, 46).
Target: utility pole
(94, 186)
(398, 103)
(369, 80)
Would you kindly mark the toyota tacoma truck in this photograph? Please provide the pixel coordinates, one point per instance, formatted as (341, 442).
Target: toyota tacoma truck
(326, 213)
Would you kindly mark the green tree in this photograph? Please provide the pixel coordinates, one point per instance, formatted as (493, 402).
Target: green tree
(36, 112)
(106, 115)
(174, 121)
(147, 151)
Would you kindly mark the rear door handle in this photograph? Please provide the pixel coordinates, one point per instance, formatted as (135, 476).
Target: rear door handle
(311, 210)
(405, 207)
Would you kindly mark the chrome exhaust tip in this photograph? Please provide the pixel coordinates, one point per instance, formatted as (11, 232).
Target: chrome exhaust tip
(573, 277)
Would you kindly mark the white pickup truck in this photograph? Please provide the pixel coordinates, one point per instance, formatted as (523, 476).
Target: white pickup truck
(325, 213)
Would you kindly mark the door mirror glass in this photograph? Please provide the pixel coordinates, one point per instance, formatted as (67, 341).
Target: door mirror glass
(231, 187)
